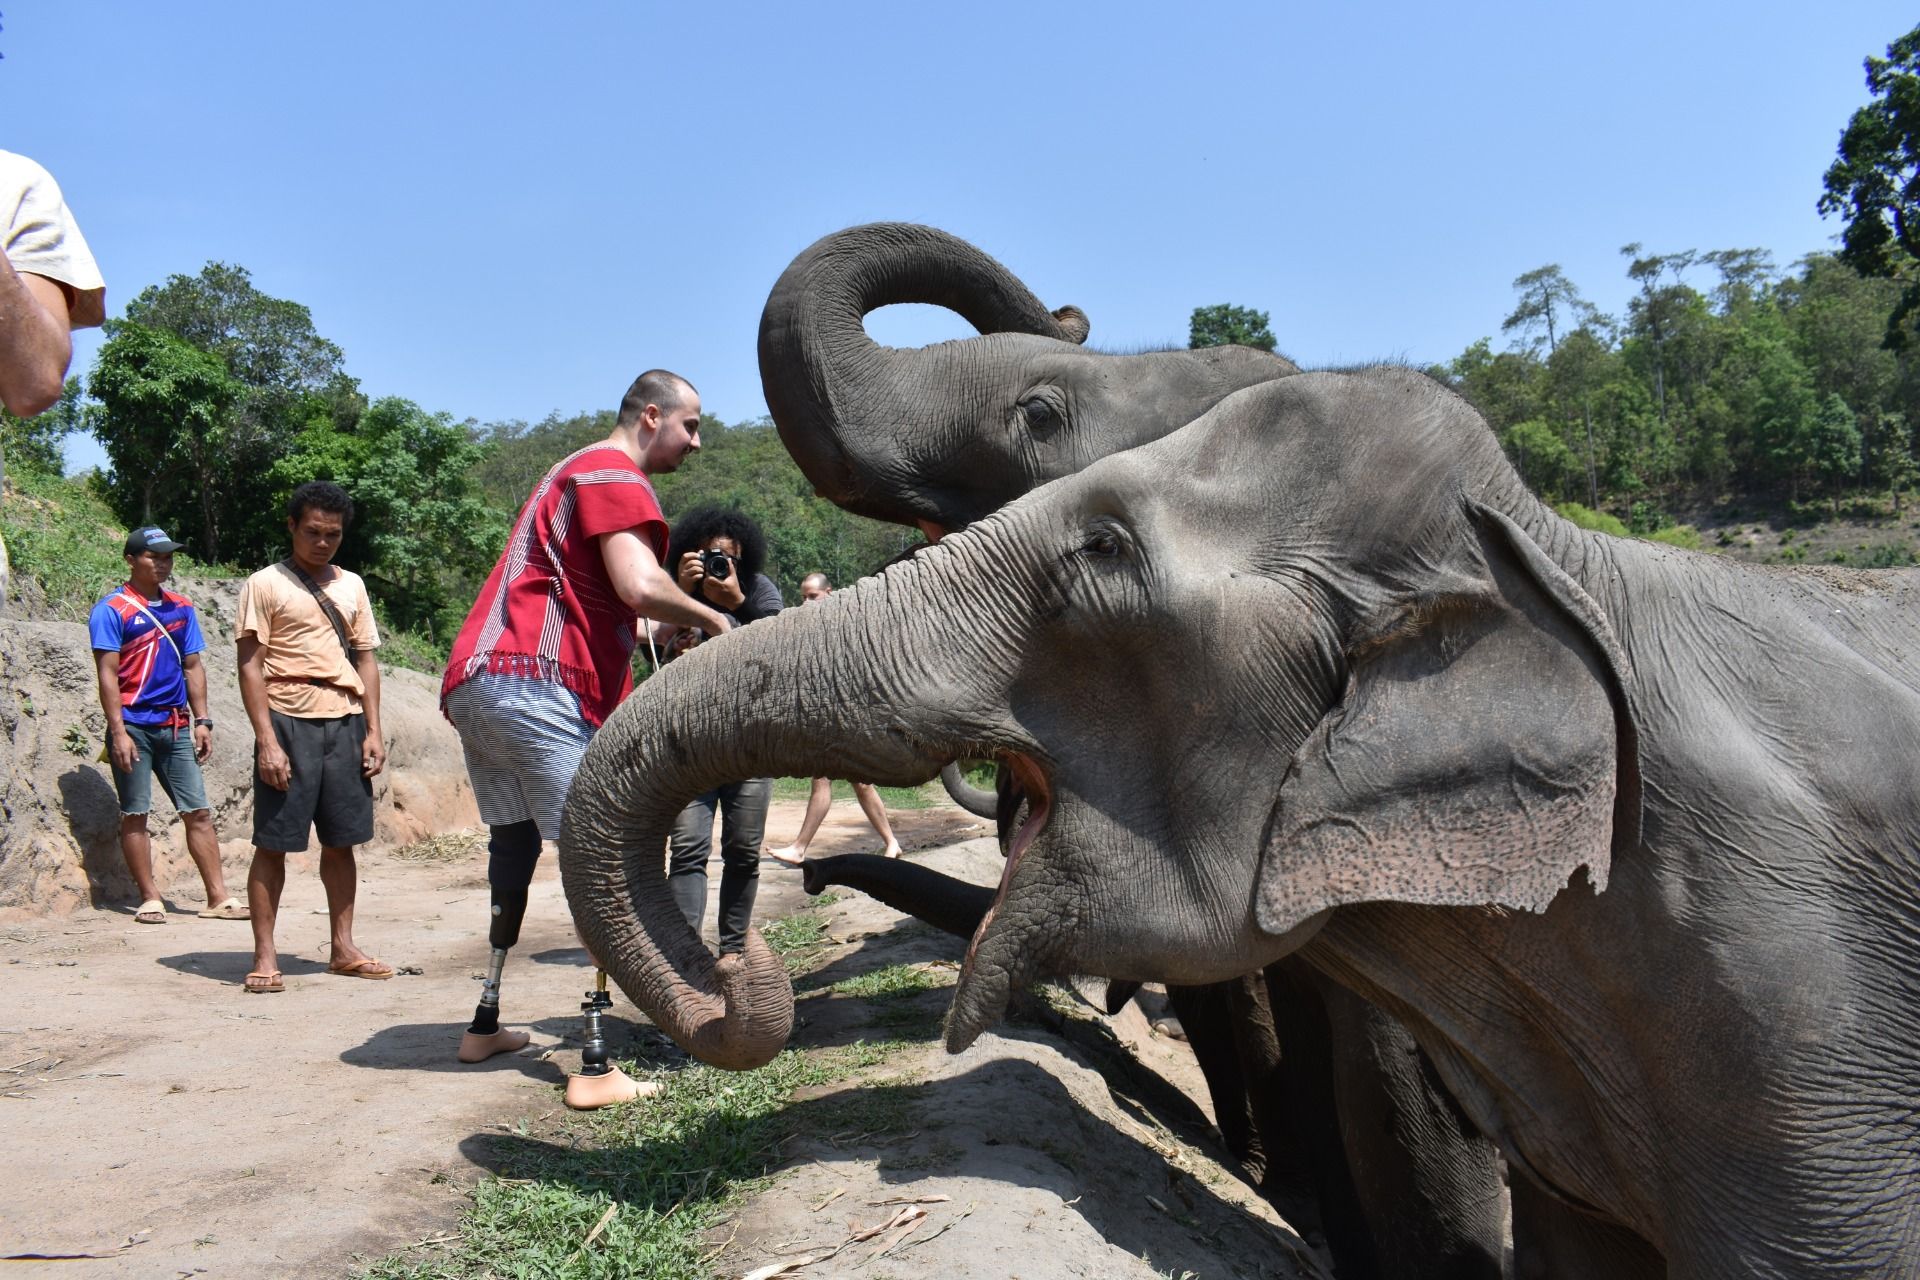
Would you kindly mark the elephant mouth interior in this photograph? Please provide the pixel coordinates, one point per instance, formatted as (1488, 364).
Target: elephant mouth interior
(1025, 785)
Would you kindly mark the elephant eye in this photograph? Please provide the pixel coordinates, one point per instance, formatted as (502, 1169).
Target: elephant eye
(1102, 543)
(1042, 417)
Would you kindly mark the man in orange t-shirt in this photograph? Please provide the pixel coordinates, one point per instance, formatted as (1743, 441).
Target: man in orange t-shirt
(312, 693)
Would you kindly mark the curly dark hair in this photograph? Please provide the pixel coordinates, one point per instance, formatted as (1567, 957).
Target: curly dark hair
(320, 495)
(703, 523)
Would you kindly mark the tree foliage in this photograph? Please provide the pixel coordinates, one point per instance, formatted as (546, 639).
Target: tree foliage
(1228, 325)
(35, 443)
(1874, 182)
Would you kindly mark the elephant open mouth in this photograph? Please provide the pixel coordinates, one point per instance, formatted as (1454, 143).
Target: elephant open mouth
(1024, 788)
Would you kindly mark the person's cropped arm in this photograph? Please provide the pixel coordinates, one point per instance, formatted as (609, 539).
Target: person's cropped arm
(120, 746)
(36, 344)
(649, 590)
(373, 756)
(275, 769)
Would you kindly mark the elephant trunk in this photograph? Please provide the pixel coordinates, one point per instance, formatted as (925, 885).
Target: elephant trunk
(781, 697)
(948, 904)
(841, 401)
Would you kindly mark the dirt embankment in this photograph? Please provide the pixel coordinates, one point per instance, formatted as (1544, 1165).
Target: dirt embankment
(59, 846)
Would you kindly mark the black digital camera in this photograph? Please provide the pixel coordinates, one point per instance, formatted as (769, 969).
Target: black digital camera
(716, 565)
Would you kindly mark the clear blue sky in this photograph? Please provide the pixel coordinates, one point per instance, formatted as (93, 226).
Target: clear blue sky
(500, 211)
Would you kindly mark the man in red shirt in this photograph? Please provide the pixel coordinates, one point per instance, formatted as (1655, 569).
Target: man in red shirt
(544, 656)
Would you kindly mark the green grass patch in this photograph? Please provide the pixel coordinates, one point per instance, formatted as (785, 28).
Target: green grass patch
(667, 1168)
(62, 538)
(796, 937)
(890, 983)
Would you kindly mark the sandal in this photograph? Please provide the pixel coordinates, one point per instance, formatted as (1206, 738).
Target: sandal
(152, 911)
(261, 984)
(367, 968)
(231, 909)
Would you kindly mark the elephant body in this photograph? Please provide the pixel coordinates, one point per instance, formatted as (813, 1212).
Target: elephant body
(1621, 833)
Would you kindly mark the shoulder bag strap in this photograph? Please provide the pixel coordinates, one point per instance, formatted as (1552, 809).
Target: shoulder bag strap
(326, 607)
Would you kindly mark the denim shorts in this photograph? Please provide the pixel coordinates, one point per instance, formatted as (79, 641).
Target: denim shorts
(169, 754)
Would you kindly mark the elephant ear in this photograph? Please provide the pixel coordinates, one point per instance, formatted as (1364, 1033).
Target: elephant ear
(1484, 751)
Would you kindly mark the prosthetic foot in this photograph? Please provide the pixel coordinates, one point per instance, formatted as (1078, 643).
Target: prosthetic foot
(514, 849)
(600, 1083)
(485, 1037)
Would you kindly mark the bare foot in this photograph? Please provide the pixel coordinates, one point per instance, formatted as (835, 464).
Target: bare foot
(893, 851)
(477, 1048)
(590, 1093)
(792, 855)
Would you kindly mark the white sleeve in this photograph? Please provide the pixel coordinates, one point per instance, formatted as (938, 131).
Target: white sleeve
(41, 237)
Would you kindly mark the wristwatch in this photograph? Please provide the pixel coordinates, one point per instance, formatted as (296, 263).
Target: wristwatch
(203, 720)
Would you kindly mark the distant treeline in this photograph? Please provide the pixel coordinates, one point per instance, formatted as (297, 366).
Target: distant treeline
(1725, 379)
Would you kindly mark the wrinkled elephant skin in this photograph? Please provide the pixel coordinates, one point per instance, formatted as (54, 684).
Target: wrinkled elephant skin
(1608, 825)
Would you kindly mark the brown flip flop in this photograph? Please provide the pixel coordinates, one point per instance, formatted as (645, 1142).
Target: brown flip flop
(368, 968)
(268, 983)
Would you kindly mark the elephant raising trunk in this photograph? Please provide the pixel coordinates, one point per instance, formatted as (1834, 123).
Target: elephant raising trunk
(851, 396)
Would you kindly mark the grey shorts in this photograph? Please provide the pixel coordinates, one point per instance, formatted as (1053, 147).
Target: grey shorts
(166, 754)
(328, 795)
(523, 741)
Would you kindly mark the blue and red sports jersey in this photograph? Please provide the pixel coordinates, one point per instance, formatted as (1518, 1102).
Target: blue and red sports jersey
(152, 685)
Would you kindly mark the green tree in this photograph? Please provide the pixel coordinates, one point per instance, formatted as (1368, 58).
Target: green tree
(165, 414)
(422, 535)
(1228, 325)
(35, 443)
(286, 376)
(1549, 301)
(1874, 183)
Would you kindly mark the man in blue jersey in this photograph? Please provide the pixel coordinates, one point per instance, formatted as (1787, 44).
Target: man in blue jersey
(153, 690)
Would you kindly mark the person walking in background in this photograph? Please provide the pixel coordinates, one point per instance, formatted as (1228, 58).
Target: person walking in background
(545, 656)
(153, 692)
(717, 556)
(312, 692)
(49, 286)
(816, 587)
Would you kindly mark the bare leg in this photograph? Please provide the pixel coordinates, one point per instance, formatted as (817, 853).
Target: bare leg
(818, 801)
(265, 879)
(137, 849)
(869, 797)
(340, 877)
(205, 851)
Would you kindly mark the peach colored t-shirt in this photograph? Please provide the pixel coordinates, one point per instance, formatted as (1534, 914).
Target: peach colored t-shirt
(297, 641)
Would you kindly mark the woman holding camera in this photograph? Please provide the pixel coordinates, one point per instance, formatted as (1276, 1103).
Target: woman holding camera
(717, 555)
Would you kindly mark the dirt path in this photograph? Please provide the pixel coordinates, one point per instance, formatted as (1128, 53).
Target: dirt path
(145, 1099)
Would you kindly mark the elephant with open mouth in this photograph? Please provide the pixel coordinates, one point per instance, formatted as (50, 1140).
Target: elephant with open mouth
(939, 437)
(1621, 833)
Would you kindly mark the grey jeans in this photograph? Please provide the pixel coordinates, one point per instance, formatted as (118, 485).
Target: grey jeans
(743, 825)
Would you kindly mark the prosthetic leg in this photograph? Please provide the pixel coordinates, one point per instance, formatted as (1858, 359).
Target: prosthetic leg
(513, 851)
(600, 1083)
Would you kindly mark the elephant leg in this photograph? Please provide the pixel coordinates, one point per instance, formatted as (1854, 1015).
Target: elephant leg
(1207, 1016)
(1306, 1086)
(1426, 1182)
(1552, 1240)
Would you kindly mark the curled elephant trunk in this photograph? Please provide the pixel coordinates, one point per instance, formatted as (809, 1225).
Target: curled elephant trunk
(782, 697)
(839, 398)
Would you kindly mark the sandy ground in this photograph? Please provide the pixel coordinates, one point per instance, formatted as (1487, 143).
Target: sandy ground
(154, 1114)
